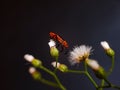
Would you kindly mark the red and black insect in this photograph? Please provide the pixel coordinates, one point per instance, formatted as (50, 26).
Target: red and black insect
(56, 37)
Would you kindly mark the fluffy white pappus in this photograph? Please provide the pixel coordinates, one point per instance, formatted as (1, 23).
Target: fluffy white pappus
(105, 45)
(51, 43)
(32, 70)
(93, 64)
(28, 57)
(54, 64)
(79, 53)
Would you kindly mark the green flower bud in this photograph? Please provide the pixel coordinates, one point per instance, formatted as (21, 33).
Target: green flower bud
(100, 73)
(35, 74)
(98, 70)
(32, 60)
(110, 52)
(54, 52)
(63, 68)
(36, 63)
(93, 64)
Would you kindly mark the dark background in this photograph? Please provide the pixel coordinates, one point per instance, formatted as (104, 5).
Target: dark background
(25, 27)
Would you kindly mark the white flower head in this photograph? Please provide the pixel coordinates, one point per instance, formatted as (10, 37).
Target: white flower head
(54, 64)
(32, 70)
(28, 57)
(79, 53)
(105, 45)
(51, 43)
(93, 64)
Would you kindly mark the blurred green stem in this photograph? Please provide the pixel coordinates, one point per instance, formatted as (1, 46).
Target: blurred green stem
(102, 84)
(112, 65)
(112, 86)
(56, 65)
(86, 73)
(48, 82)
(91, 79)
(109, 84)
(89, 76)
(76, 71)
(54, 75)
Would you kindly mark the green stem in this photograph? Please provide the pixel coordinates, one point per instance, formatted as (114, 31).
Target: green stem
(112, 65)
(57, 80)
(75, 71)
(48, 82)
(56, 65)
(85, 66)
(106, 86)
(117, 87)
(112, 86)
(102, 84)
(89, 76)
(54, 75)
(91, 79)
(86, 73)
(109, 84)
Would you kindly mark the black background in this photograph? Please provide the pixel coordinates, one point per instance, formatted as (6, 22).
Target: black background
(25, 27)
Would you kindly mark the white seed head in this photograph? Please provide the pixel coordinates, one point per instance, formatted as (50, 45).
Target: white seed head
(105, 45)
(28, 57)
(79, 53)
(32, 70)
(54, 64)
(93, 64)
(51, 43)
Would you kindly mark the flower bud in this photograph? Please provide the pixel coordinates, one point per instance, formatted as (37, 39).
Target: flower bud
(101, 74)
(105, 45)
(51, 43)
(28, 57)
(54, 64)
(93, 64)
(31, 59)
(110, 52)
(53, 50)
(98, 70)
(36, 63)
(35, 74)
(61, 67)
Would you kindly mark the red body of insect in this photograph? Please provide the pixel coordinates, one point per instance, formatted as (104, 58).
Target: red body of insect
(59, 39)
